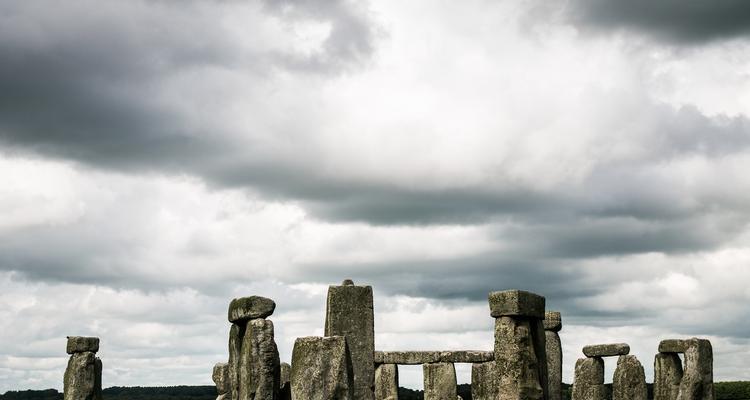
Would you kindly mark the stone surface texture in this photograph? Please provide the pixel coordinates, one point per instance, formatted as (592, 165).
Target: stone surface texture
(606, 350)
(484, 381)
(259, 366)
(386, 382)
(667, 376)
(79, 344)
(552, 321)
(629, 380)
(321, 369)
(521, 362)
(439, 381)
(424, 357)
(554, 364)
(80, 378)
(698, 374)
(588, 383)
(349, 313)
(285, 389)
(252, 307)
(674, 345)
(220, 377)
(236, 333)
(519, 303)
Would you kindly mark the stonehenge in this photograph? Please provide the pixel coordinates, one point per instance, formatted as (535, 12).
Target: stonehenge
(322, 369)
(221, 380)
(553, 348)
(439, 381)
(629, 380)
(83, 375)
(386, 382)
(691, 381)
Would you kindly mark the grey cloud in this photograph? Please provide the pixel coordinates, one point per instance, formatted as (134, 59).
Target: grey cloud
(671, 21)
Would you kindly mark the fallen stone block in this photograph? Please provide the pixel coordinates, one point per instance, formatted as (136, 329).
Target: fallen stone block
(247, 308)
(80, 344)
(606, 350)
(518, 303)
(321, 369)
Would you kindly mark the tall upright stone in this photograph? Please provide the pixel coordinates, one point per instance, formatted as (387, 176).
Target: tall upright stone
(484, 381)
(285, 388)
(439, 381)
(220, 377)
(386, 382)
(667, 376)
(83, 375)
(349, 313)
(321, 369)
(588, 383)
(236, 333)
(629, 380)
(698, 375)
(259, 362)
(520, 345)
(553, 348)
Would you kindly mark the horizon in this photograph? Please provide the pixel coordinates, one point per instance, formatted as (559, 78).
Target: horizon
(161, 158)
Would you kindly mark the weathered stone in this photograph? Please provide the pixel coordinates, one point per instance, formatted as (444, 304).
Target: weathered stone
(424, 357)
(698, 376)
(236, 333)
(588, 382)
(554, 364)
(259, 362)
(674, 345)
(439, 381)
(552, 321)
(606, 350)
(349, 312)
(247, 308)
(520, 358)
(518, 303)
(629, 380)
(220, 377)
(321, 369)
(484, 381)
(285, 390)
(79, 344)
(80, 379)
(667, 376)
(386, 382)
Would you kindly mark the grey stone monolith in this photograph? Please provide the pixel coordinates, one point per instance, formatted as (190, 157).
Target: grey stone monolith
(386, 382)
(83, 375)
(520, 354)
(220, 376)
(553, 349)
(588, 383)
(236, 333)
(251, 307)
(321, 369)
(285, 388)
(484, 381)
(349, 312)
(629, 379)
(698, 374)
(667, 376)
(259, 362)
(439, 381)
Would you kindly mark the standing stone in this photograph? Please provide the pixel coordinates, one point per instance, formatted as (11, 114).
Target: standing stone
(667, 376)
(629, 380)
(98, 379)
(285, 389)
(698, 375)
(259, 367)
(588, 383)
(439, 381)
(554, 365)
(236, 333)
(349, 312)
(321, 369)
(520, 354)
(386, 382)
(220, 377)
(80, 377)
(483, 381)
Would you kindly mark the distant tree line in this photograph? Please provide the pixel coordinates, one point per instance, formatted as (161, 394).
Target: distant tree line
(724, 391)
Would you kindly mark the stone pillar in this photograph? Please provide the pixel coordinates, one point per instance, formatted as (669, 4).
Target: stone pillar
(321, 369)
(667, 376)
(520, 355)
(629, 381)
(553, 348)
(698, 375)
(386, 382)
(254, 366)
(83, 376)
(285, 388)
(439, 381)
(349, 312)
(588, 383)
(221, 380)
(483, 381)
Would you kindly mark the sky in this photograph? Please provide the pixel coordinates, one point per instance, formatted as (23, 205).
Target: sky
(159, 158)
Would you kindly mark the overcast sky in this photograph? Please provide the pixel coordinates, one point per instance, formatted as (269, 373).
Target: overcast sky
(158, 158)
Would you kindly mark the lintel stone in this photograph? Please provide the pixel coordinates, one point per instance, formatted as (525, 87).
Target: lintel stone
(674, 345)
(519, 303)
(552, 321)
(426, 357)
(80, 344)
(606, 350)
(252, 307)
